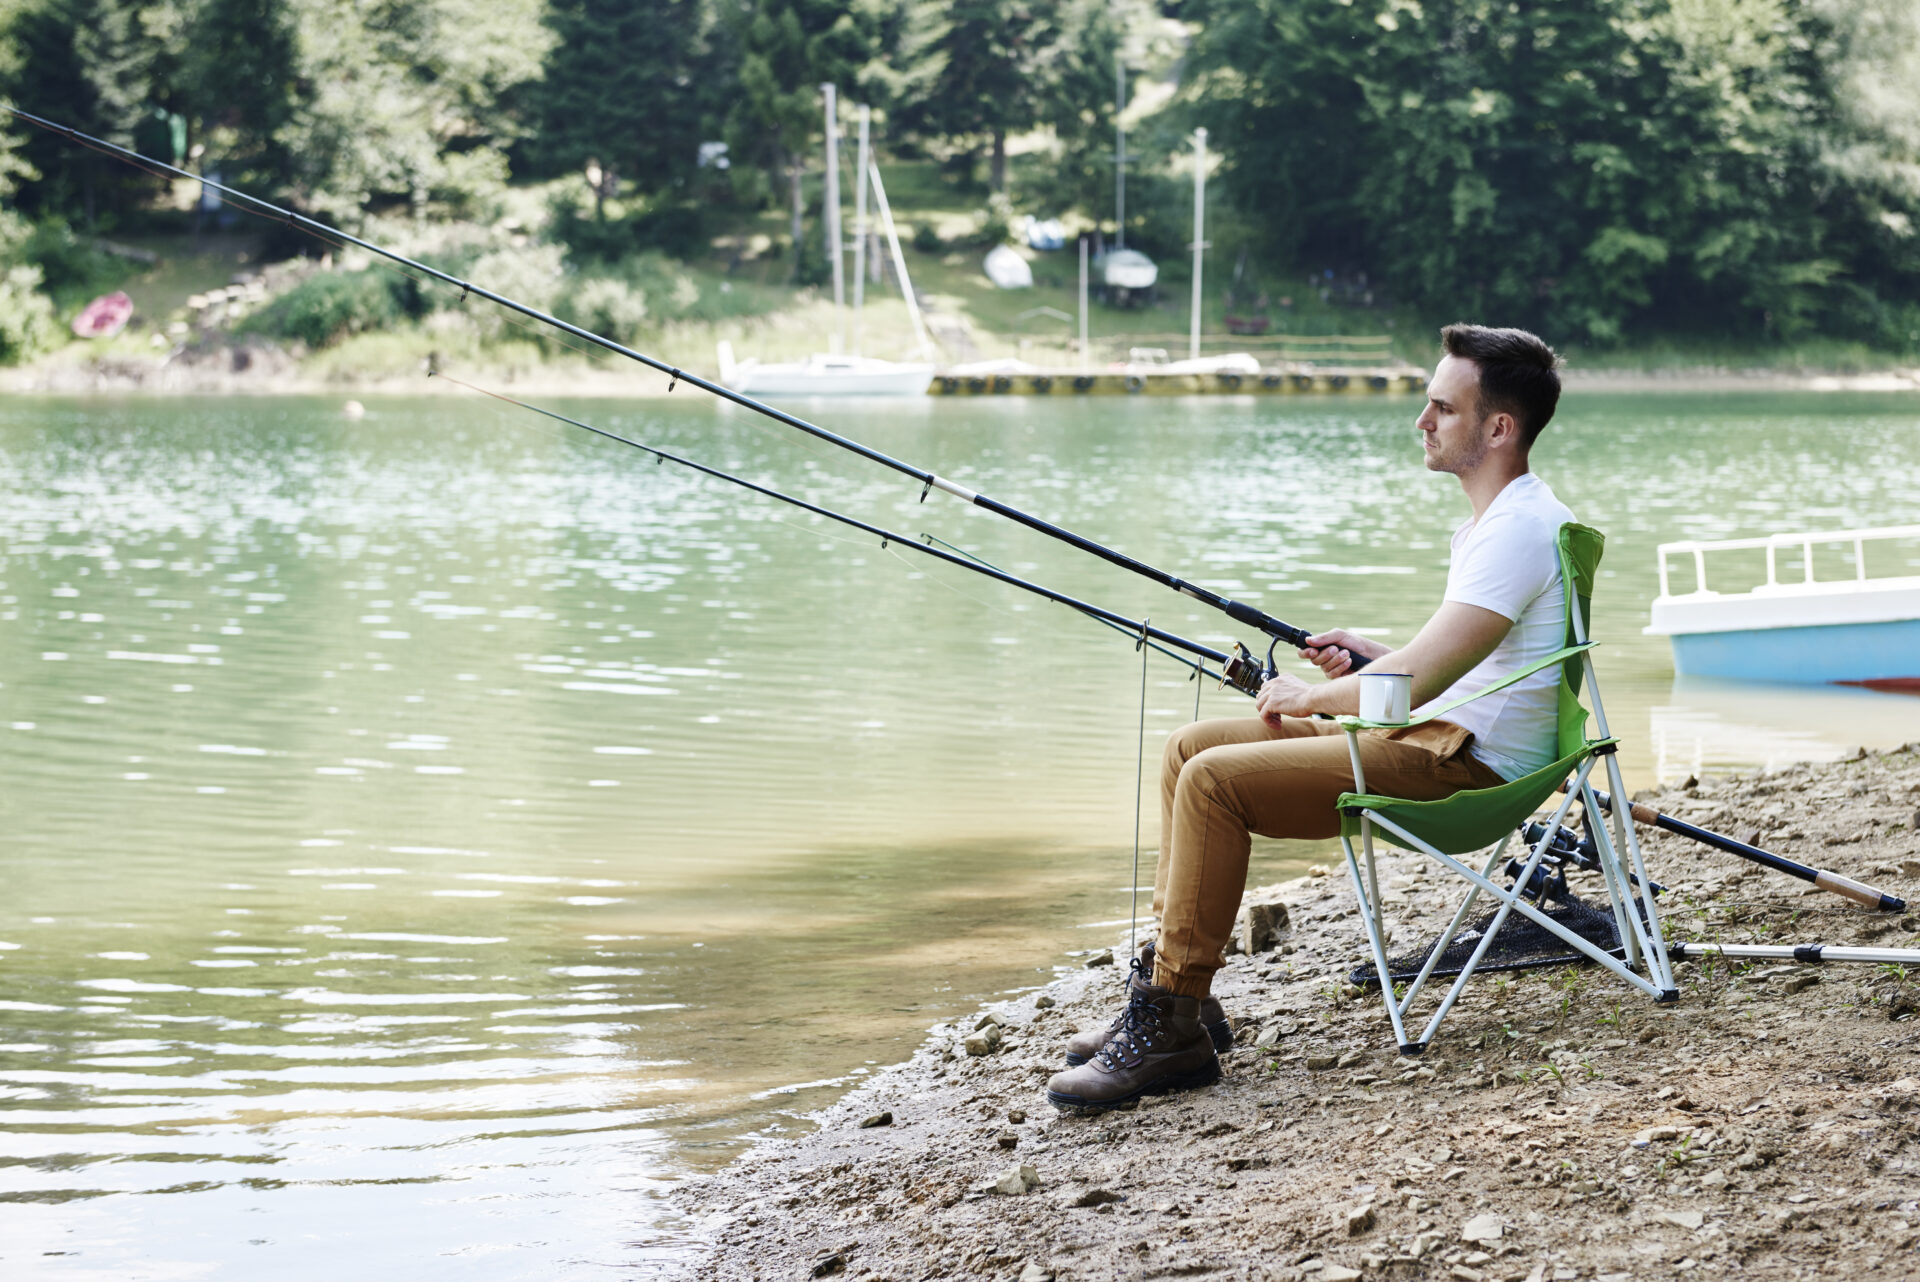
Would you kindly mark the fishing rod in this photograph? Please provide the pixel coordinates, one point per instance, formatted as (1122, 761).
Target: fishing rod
(1238, 611)
(1235, 670)
(1864, 895)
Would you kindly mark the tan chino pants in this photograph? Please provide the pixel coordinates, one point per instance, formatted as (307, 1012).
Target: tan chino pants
(1221, 781)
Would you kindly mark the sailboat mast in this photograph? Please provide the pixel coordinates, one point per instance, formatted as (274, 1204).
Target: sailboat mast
(1119, 153)
(833, 220)
(1199, 232)
(860, 225)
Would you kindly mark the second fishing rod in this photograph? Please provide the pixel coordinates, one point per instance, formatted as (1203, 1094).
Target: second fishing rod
(1236, 669)
(1239, 611)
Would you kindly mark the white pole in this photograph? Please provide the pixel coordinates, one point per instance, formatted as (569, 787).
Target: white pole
(900, 262)
(1119, 154)
(860, 226)
(1085, 355)
(1199, 232)
(833, 220)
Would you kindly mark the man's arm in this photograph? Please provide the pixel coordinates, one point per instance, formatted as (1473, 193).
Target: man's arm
(1456, 638)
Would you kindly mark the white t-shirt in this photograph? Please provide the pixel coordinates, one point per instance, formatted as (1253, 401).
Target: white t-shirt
(1509, 562)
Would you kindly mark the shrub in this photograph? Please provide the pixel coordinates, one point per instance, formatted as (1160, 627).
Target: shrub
(326, 308)
(28, 325)
(609, 307)
(926, 240)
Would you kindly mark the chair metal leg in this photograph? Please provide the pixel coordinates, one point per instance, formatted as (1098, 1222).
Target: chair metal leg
(1370, 922)
(1658, 962)
(1459, 919)
(1509, 899)
(1539, 918)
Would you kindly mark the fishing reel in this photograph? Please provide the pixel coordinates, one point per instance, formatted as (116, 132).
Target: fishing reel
(1243, 671)
(1566, 848)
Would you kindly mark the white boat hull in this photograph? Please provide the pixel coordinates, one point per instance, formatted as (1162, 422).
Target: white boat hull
(830, 376)
(1858, 630)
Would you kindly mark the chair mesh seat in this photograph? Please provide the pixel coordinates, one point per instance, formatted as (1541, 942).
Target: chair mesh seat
(1522, 943)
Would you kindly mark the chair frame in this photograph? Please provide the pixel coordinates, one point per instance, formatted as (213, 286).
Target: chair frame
(1644, 944)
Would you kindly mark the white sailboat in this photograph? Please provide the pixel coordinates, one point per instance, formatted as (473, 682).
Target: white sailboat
(834, 372)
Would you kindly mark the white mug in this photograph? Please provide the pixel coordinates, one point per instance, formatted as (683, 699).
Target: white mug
(1386, 697)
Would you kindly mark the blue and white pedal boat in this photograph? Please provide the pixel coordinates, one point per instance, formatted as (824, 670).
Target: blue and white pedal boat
(1859, 629)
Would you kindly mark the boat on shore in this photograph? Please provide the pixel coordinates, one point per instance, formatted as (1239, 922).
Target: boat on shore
(1857, 629)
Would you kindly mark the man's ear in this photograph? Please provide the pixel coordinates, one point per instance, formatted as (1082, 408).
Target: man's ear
(1505, 429)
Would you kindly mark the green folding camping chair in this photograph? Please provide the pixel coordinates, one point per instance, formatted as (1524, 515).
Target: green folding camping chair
(1474, 819)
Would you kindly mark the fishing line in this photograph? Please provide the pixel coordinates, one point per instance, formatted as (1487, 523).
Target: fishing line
(1240, 612)
(1243, 676)
(1139, 776)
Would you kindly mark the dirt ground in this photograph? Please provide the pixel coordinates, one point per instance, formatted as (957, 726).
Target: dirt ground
(1560, 1127)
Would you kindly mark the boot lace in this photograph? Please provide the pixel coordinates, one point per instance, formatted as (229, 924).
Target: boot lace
(1139, 1029)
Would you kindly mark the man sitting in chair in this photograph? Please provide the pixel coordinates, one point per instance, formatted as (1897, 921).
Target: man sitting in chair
(1279, 773)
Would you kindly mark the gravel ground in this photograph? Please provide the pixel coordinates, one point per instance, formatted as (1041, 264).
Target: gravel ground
(1560, 1127)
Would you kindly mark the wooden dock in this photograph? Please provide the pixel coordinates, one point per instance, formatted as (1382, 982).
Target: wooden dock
(1147, 382)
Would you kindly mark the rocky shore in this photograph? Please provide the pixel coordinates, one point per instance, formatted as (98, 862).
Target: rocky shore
(1561, 1126)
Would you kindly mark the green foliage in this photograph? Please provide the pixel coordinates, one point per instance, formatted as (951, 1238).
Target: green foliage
(27, 322)
(633, 85)
(71, 271)
(1590, 169)
(325, 308)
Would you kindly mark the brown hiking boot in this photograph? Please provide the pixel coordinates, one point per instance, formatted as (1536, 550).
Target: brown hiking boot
(1082, 1047)
(1160, 1046)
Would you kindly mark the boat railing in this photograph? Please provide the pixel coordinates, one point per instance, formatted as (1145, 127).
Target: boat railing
(1772, 544)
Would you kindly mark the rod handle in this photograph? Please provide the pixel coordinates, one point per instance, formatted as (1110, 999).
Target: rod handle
(1865, 896)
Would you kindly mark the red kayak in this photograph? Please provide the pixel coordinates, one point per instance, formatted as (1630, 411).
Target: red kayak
(104, 316)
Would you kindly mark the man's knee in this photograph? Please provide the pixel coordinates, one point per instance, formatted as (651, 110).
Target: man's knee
(1182, 746)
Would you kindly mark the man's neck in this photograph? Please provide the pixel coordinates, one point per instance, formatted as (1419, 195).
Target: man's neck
(1484, 483)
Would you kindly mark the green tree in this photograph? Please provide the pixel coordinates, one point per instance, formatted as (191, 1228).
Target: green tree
(630, 84)
(785, 50)
(1582, 168)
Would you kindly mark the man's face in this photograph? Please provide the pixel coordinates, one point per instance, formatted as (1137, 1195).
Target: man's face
(1453, 432)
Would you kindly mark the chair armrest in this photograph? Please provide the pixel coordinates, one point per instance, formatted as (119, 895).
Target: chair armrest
(1351, 724)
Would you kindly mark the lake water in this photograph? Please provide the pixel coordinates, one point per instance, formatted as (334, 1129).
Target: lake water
(426, 838)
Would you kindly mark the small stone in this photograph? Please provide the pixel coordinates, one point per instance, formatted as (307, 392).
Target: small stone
(1466, 1274)
(1036, 1273)
(1320, 1063)
(1657, 1135)
(1715, 1180)
(1351, 1058)
(990, 1019)
(1268, 1035)
(984, 1042)
(1099, 1197)
(1338, 1273)
(1102, 958)
(1016, 1115)
(1319, 870)
(1800, 982)
(1260, 925)
(878, 1119)
(1482, 1228)
(830, 1265)
(1684, 1219)
(1249, 1163)
(1043, 1002)
(1017, 1179)
(1007, 1139)
(1360, 1219)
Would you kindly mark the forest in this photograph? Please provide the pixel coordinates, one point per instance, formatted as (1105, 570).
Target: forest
(1610, 172)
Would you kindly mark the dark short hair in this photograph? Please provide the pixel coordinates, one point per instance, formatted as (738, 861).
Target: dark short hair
(1519, 374)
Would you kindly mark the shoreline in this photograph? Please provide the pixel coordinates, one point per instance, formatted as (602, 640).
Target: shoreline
(1561, 1126)
(263, 369)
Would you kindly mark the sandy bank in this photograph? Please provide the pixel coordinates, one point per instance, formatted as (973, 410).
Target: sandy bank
(1560, 1127)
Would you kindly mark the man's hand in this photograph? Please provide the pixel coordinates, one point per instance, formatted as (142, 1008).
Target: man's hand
(1332, 652)
(1284, 696)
